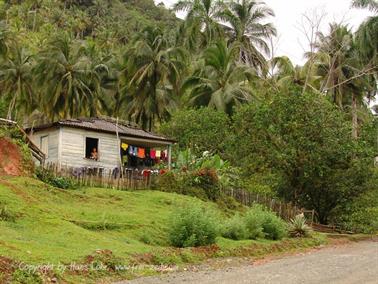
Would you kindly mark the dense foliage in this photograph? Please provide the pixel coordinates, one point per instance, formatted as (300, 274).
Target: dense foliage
(306, 140)
(301, 133)
(199, 130)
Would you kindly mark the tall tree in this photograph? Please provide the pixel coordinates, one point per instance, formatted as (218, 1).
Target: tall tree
(70, 82)
(338, 64)
(247, 19)
(366, 41)
(286, 74)
(5, 38)
(202, 16)
(220, 82)
(16, 81)
(152, 68)
(372, 5)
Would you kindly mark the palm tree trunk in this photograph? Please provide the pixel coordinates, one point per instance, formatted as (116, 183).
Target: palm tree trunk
(354, 117)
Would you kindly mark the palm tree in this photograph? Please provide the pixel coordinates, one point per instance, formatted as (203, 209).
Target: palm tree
(332, 60)
(5, 39)
(367, 51)
(286, 74)
(247, 19)
(220, 82)
(152, 69)
(201, 16)
(70, 80)
(338, 63)
(372, 5)
(16, 80)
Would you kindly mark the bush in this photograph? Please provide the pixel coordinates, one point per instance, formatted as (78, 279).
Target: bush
(59, 182)
(229, 204)
(298, 227)
(274, 227)
(207, 179)
(235, 228)
(361, 214)
(254, 223)
(193, 226)
(166, 182)
(263, 223)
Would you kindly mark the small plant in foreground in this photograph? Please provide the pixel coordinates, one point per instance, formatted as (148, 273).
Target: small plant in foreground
(193, 226)
(298, 227)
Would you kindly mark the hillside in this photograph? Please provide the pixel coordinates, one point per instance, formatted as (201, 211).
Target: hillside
(109, 23)
(42, 225)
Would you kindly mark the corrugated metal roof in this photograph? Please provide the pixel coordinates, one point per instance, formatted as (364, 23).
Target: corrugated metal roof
(105, 125)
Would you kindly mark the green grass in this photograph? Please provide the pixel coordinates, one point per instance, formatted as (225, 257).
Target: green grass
(55, 225)
(50, 225)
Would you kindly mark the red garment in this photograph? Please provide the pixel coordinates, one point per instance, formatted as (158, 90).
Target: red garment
(153, 154)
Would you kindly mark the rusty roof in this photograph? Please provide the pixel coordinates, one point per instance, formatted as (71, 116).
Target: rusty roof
(106, 125)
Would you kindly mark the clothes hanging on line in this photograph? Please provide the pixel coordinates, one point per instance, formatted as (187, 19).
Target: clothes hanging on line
(124, 146)
(163, 154)
(153, 154)
(158, 154)
(141, 153)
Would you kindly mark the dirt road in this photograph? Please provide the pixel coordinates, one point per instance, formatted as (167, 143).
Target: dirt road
(355, 263)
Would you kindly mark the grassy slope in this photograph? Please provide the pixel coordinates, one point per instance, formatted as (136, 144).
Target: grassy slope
(59, 226)
(56, 225)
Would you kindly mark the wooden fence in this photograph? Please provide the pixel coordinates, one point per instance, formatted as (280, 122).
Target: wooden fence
(117, 178)
(129, 179)
(286, 211)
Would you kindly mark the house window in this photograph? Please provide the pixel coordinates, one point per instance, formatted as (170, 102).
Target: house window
(91, 148)
(44, 145)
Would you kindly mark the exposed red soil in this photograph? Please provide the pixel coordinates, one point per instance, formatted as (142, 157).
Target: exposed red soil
(10, 158)
(7, 267)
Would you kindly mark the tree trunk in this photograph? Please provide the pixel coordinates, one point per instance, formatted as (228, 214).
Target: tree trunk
(354, 117)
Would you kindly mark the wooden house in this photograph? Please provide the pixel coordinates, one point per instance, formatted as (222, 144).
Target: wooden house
(71, 143)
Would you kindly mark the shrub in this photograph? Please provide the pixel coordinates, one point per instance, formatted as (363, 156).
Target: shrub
(166, 182)
(263, 223)
(235, 228)
(228, 203)
(254, 223)
(207, 179)
(59, 182)
(274, 227)
(193, 226)
(298, 227)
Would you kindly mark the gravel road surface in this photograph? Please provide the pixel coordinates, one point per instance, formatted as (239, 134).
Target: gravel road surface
(347, 264)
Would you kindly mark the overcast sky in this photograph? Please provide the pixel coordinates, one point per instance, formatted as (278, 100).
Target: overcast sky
(290, 40)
